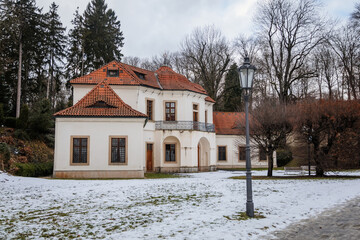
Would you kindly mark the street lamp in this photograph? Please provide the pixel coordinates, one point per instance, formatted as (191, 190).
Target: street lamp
(246, 73)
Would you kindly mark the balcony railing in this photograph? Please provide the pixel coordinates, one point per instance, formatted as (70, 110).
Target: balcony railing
(184, 125)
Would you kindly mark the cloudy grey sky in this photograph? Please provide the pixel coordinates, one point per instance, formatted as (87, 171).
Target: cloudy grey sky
(152, 26)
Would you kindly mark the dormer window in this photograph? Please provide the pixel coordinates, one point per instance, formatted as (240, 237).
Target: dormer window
(100, 104)
(112, 72)
(140, 75)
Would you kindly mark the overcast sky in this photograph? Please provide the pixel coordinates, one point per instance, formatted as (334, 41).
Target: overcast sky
(151, 27)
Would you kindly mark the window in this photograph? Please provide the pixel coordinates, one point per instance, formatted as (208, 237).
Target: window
(118, 152)
(222, 153)
(112, 72)
(170, 111)
(262, 154)
(140, 75)
(80, 151)
(195, 112)
(170, 153)
(149, 109)
(206, 117)
(242, 153)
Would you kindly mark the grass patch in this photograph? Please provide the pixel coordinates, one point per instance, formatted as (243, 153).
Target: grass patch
(244, 169)
(161, 175)
(297, 177)
(241, 216)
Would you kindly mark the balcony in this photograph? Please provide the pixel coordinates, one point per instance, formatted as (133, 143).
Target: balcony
(184, 125)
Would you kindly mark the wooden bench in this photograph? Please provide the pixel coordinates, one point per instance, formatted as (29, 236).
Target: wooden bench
(292, 170)
(305, 169)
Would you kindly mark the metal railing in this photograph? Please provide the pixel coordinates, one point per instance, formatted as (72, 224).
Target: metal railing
(184, 125)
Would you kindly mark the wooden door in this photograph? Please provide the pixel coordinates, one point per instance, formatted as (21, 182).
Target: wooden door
(149, 157)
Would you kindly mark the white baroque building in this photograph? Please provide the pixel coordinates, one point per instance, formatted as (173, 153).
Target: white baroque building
(126, 121)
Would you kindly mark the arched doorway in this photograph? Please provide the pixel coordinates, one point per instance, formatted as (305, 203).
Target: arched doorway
(203, 149)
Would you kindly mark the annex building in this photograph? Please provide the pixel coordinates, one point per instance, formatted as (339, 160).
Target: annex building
(126, 121)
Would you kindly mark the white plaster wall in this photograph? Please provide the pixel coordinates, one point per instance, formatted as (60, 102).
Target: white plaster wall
(79, 91)
(232, 142)
(99, 130)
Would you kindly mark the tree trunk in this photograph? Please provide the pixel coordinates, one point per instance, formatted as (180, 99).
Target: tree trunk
(270, 164)
(319, 168)
(18, 97)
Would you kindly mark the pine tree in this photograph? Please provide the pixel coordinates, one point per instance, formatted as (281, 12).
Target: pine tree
(232, 92)
(75, 56)
(102, 37)
(55, 48)
(20, 33)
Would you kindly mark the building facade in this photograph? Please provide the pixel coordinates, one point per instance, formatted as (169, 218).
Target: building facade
(126, 121)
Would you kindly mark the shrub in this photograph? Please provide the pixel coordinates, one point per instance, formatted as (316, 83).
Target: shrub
(283, 156)
(2, 117)
(4, 156)
(21, 134)
(38, 152)
(40, 119)
(34, 169)
(22, 121)
(10, 122)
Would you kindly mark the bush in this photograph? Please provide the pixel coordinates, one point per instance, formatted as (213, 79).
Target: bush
(21, 134)
(10, 122)
(22, 121)
(283, 156)
(37, 151)
(34, 169)
(4, 156)
(40, 119)
(2, 117)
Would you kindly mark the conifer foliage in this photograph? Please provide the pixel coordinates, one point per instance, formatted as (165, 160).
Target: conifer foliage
(102, 37)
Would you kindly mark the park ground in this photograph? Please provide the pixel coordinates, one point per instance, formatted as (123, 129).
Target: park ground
(193, 206)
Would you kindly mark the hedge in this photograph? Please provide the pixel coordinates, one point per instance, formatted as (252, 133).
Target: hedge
(34, 169)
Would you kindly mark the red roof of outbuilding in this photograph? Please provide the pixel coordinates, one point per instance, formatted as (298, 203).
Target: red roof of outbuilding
(227, 123)
(101, 101)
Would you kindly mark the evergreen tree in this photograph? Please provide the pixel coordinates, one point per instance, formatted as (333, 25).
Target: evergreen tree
(20, 44)
(232, 93)
(55, 48)
(76, 51)
(102, 37)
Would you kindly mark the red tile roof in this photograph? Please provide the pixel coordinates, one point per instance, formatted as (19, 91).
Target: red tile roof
(171, 80)
(209, 99)
(101, 101)
(163, 78)
(227, 123)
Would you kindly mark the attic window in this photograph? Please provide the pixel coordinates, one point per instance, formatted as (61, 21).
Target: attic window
(112, 73)
(140, 75)
(100, 104)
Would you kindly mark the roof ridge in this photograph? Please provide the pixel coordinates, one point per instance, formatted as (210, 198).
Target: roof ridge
(136, 78)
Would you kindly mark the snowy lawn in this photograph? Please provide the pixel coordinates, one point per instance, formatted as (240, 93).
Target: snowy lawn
(197, 207)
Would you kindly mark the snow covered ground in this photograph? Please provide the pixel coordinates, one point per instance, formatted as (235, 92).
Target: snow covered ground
(201, 206)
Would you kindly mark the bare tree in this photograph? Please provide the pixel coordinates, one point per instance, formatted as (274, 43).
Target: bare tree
(346, 45)
(289, 30)
(208, 54)
(250, 46)
(269, 127)
(133, 61)
(326, 65)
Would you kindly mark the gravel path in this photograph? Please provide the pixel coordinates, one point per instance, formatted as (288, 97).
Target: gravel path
(342, 222)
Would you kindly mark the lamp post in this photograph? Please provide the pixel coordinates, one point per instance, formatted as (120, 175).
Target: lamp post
(246, 73)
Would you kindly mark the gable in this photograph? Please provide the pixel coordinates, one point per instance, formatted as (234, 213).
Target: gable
(101, 101)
